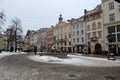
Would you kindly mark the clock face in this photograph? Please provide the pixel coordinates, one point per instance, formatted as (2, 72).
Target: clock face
(117, 1)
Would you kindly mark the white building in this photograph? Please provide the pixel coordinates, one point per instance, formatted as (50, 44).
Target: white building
(42, 39)
(38, 39)
(78, 35)
(111, 19)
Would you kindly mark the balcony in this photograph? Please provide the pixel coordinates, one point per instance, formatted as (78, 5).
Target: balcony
(94, 39)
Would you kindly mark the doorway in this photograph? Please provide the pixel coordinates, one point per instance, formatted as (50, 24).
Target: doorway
(98, 49)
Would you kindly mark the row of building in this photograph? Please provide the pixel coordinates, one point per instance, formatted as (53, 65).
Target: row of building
(94, 32)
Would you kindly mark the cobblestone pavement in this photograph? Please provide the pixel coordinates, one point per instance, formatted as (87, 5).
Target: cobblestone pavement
(18, 67)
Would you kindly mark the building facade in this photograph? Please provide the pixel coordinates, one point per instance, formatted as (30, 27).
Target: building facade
(50, 37)
(1, 41)
(94, 30)
(26, 40)
(78, 39)
(62, 34)
(4, 43)
(111, 19)
(42, 39)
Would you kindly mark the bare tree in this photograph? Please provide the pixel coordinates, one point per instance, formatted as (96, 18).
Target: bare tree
(2, 20)
(17, 30)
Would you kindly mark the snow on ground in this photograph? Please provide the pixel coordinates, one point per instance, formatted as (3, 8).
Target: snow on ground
(3, 54)
(77, 60)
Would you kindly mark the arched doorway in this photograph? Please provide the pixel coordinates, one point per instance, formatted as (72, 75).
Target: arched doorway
(98, 49)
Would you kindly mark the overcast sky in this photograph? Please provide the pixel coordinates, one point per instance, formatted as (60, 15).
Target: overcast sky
(35, 14)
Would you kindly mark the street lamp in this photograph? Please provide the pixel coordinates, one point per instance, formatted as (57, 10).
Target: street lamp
(110, 39)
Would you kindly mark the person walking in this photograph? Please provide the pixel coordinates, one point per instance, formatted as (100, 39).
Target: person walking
(111, 54)
(35, 50)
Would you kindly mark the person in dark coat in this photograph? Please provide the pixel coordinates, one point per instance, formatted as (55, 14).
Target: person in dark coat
(35, 50)
(11, 49)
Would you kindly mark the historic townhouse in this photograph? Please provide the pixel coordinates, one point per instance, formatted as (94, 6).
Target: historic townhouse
(50, 37)
(4, 42)
(26, 41)
(62, 33)
(111, 19)
(36, 38)
(94, 30)
(26, 44)
(33, 39)
(78, 35)
(42, 39)
(1, 41)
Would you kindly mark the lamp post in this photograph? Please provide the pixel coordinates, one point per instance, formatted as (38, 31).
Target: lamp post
(110, 39)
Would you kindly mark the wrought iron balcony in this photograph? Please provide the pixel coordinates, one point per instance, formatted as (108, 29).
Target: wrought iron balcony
(93, 39)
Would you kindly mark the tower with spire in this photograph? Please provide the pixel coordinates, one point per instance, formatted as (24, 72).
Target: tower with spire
(60, 18)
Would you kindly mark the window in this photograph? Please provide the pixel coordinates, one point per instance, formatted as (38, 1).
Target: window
(94, 34)
(77, 32)
(81, 25)
(94, 26)
(82, 31)
(88, 27)
(112, 17)
(118, 28)
(77, 39)
(82, 39)
(61, 29)
(77, 25)
(89, 36)
(65, 36)
(99, 16)
(111, 5)
(99, 25)
(118, 37)
(74, 40)
(65, 43)
(61, 37)
(111, 29)
(73, 33)
(99, 34)
(69, 35)
(69, 43)
(73, 26)
(112, 38)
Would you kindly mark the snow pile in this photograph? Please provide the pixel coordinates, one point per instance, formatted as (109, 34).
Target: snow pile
(3, 54)
(77, 60)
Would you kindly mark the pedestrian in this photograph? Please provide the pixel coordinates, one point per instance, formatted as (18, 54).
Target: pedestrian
(35, 50)
(0, 51)
(112, 55)
(11, 49)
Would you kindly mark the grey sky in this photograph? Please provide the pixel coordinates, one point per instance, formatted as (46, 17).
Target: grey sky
(35, 14)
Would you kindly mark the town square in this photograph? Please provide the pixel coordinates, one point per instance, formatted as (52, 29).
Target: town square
(60, 40)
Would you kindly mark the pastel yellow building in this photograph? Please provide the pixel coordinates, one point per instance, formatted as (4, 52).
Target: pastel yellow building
(62, 34)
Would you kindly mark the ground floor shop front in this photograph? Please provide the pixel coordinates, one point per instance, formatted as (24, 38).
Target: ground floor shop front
(78, 48)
